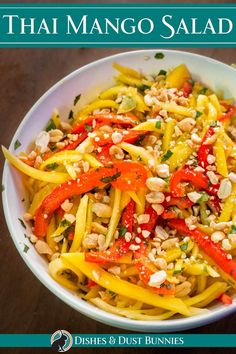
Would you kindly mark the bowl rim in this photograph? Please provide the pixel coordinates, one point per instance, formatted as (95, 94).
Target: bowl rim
(73, 301)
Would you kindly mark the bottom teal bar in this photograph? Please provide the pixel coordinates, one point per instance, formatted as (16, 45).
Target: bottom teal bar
(62, 340)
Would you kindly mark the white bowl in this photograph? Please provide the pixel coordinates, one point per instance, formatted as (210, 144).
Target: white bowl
(89, 81)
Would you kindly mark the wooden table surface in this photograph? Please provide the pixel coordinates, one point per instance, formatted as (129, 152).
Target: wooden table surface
(26, 306)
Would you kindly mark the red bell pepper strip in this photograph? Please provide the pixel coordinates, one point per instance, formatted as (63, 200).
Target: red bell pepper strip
(109, 118)
(226, 299)
(146, 269)
(132, 137)
(226, 116)
(152, 221)
(169, 214)
(121, 246)
(104, 156)
(213, 250)
(185, 174)
(187, 88)
(181, 203)
(205, 149)
(124, 171)
(90, 283)
(73, 145)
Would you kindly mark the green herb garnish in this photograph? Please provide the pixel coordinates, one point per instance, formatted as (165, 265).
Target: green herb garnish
(71, 115)
(167, 155)
(51, 125)
(17, 144)
(143, 87)
(202, 91)
(123, 230)
(214, 124)
(184, 247)
(158, 124)
(204, 198)
(109, 179)
(177, 271)
(77, 98)
(159, 56)
(52, 166)
(198, 114)
(88, 127)
(22, 223)
(26, 248)
(162, 72)
(65, 223)
(139, 139)
(3, 188)
(233, 229)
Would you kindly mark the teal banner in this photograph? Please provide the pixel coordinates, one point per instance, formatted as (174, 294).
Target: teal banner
(70, 25)
(64, 340)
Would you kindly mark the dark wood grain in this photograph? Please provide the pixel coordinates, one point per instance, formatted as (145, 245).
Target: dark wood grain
(26, 306)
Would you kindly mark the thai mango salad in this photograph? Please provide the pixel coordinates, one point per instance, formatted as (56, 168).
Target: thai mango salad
(132, 200)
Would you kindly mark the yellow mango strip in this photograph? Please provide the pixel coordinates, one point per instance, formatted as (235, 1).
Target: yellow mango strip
(115, 217)
(129, 272)
(202, 103)
(56, 118)
(207, 229)
(57, 270)
(177, 109)
(93, 292)
(126, 259)
(221, 163)
(178, 76)
(89, 220)
(140, 208)
(215, 102)
(226, 277)
(181, 153)
(64, 247)
(167, 137)
(97, 105)
(208, 295)
(127, 312)
(135, 197)
(122, 287)
(151, 125)
(80, 224)
(227, 142)
(50, 230)
(201, 283)
(228, 207)
(111, 93)
(63, 226)
(93, 162)
(196, 269)
(212, 115)
(138, 152)
(128, 80)
(62, 157)
(39, 197)
(51, 177)
(98, 228)
(85, 145)
(125, 199)
(126, 70)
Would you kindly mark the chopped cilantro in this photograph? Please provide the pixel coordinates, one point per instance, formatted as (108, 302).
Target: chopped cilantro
(177, 271)
(204, 198)
(202, 91)
(184, 247)
(158, 124)
(88, 127)
(17, 144)
(162, 72)
(3, 188)
(123, 230)
(143, 87)
(71, 115)
(65, 223)
(198, 114)
(22, 223)
(52, 166)
(168, 286)
(26, 248)
(26, 236)
(159, 55)
(51, 125)
(233, 229)
(77, 98)
(214, 124)
(139, 139)
(167, 155)
(110, 178)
